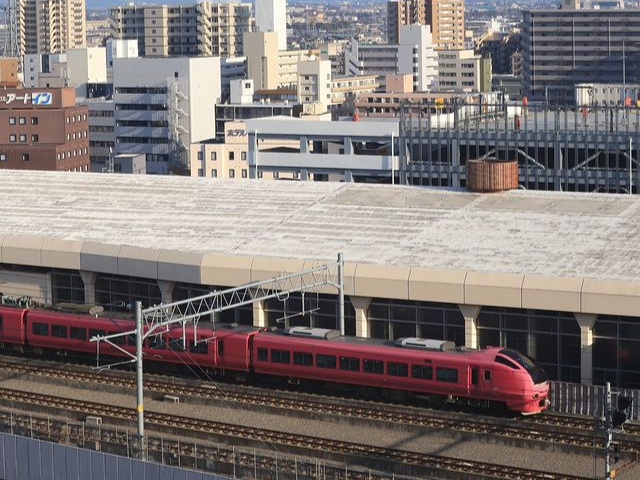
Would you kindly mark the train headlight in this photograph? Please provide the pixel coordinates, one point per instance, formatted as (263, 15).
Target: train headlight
(535, 395)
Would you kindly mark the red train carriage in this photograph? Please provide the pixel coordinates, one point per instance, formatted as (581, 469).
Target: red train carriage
(415, 365)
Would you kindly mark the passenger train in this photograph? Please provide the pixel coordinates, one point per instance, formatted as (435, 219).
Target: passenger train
(408, 366)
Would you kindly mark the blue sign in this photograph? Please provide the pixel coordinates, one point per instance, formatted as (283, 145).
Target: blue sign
(42, 98)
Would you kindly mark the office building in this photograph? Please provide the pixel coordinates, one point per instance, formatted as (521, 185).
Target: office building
(500, 47)
(463, 71)
(163, 105)
(445, 18)
(202, 29)
(43, 129)
(51, 26)
(414, 54)
(271, 16)
(565, 47)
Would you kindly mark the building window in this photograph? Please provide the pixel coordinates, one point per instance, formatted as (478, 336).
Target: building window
(260, 174)
(200, 155)
(201, 172)
(244, 173)
(23, 137)
(12, 138)
(276, 175)
(12, 120)
(25, 157)
(34, 120)
(3, 157)
(68, 119)
(243, 155)
(214, 173)
(23, 121)
(232, 173)
(232, 155)
(34, 138)
(84, 116)
(214, 156)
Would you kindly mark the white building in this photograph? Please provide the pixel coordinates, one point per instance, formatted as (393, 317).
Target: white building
(414, 54)
(314, 82)
(271, 16)
(463, 71)
(163, 105)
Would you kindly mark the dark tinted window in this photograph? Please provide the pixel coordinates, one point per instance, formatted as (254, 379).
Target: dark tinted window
(423, 373)
(131, 339)
(175, 344)
(118, 340)
(506, 362)
(40, 329)
(280, 356)
(157, 342)
(201, 347)
(487, 374)
(373, 366)
(474, 376)
(325, 361)
(263, 355)
(1, 323)
(397, 369)
(78, 333)
(96, 333)
(447, 375)
(58, 331)
(349, 363)
(220, 347)
(302, 358)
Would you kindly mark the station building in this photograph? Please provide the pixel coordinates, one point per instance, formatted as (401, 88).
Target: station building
(554, 275)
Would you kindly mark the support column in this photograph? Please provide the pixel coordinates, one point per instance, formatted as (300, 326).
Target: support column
(361, 306)
(470, 314)
(586, 322)
(166, 290)
(252, 156)
(259, 315)
(89, 280)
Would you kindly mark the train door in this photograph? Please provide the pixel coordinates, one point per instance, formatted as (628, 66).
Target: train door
(474, 386)
(485, 382)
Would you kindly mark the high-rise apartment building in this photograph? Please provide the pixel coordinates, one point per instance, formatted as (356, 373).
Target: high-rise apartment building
(202, 29)
(51, 26)
(445, 17)
(271, 16)
(573, 45)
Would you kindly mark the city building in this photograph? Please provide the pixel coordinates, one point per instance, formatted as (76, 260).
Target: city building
(444, 17)
(9, 72)
(43, 129)
(463, 70)
(414, 54)
(592, 94)
(51, 26)
(203, 29)
(555, 291)
(565, 47)
(269, 67)
(271, 16)
(510, 85)
(102, 127)
(131, 163)
(500, 47)
(314, 82)
(162, 106)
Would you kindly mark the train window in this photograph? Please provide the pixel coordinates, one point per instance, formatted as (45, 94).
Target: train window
(78, 333)
(59, 331)
(1, 323)
(263, 355)
(423, 373)
(350, 363)
(474, 376)
(280, 356)
(40, 329)
(302, 358)
(131, 339)
(487, 374)
(506, 362)
(202, 348)
(220, 347)
(325, 361)
(373, 366)
(117, 340)
(157, 343)
(447, 375)
(397, 369)
(96, 333)
(175, 344)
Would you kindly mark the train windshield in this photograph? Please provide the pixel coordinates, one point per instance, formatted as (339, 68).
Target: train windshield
(537, 374)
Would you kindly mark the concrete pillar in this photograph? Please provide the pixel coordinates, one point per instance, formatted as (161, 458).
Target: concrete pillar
(89, 280)
(304, 174)
(304, 145)
(252, 157)
(348, 176)
(455, 162)
(348, 146)
(586, 322)
(259, 315)
(470, 314)
(361, 306)
(166, 290)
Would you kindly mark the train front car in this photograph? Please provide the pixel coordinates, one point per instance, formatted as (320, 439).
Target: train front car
(520, 383)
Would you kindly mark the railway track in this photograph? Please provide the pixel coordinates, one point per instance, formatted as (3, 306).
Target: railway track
(430, 463)
(578, 430)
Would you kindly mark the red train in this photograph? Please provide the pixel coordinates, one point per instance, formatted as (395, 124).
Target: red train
(410, 365)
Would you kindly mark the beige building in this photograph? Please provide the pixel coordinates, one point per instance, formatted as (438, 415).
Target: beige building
(463, 70)
(51, 26)
(205, 28)
(445, 17)
(268, 67)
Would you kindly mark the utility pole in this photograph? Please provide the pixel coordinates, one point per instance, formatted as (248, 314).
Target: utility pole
(608, 433)
(139, 379)
(614, 419)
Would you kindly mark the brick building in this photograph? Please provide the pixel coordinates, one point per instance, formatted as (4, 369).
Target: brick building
(43, 129)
